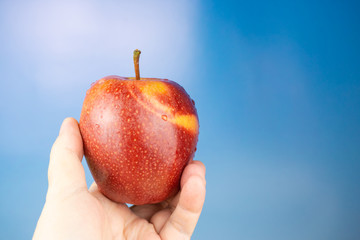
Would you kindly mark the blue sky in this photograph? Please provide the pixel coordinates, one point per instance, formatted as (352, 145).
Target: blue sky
(276, 84)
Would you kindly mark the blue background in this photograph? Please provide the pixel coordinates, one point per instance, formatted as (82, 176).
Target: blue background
(276, 84)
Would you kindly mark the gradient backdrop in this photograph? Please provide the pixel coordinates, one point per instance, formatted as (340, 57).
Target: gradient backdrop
(276, 84)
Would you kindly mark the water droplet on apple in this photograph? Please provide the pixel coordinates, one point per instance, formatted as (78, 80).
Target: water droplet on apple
(97, 126)
(195, 149)
(193, 102)
(164, 117)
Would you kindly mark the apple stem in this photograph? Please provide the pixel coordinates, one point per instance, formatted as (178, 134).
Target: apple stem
(136, 63)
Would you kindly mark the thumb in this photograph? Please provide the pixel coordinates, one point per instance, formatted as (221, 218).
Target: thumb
(66, 173)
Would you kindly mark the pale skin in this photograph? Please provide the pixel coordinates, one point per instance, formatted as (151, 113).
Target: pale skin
(72, 211)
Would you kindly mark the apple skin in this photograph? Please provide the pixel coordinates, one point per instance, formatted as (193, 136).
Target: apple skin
(138, 137)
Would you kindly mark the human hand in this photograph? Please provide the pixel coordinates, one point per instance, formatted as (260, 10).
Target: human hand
(71, 211)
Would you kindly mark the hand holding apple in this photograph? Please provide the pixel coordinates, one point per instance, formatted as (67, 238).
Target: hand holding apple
(138, 134)
(72, 211)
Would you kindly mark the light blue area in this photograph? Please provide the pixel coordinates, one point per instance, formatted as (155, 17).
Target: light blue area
(277, 87)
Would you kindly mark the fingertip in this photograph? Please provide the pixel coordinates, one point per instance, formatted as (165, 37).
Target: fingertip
(93, 187)
(69, 137)
(68, 124)
(200, 164)
(194, 168)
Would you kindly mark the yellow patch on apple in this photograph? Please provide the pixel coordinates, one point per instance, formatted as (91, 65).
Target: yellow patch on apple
(154, 88)
(189, 122)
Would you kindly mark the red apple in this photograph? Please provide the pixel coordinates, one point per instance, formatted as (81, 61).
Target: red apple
(139, 134)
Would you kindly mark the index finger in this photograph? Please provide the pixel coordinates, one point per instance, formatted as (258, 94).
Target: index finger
(182, 221)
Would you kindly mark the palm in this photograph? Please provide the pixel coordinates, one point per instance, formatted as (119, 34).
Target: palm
(117, 221)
